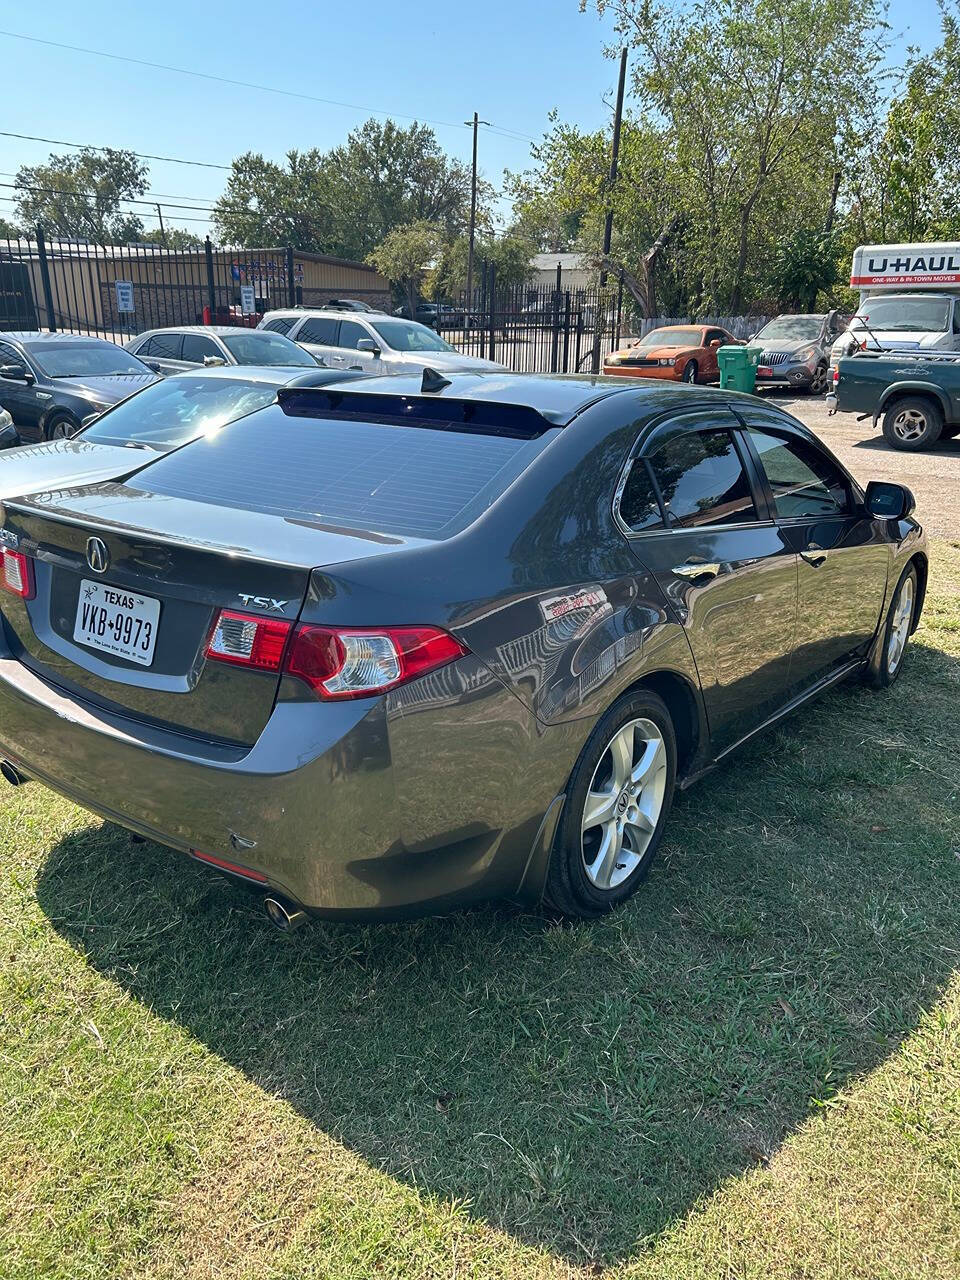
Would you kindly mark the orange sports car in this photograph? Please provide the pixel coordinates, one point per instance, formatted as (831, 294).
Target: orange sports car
(677, 352)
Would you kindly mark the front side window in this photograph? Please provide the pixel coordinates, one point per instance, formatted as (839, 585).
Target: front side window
(196, 348)
(256, 346)
(702, 480)
(804, 481)
(351, 333)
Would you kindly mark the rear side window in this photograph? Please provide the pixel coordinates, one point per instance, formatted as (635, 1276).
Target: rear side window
(804, 482)
(164, 345)
(702, 480)
(639, 505)
(319, 329)
(281, 325)
(351, 474)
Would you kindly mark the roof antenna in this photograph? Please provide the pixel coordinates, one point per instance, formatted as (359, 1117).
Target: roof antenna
(433, 381)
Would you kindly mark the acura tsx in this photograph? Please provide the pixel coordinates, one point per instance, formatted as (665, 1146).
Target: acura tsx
(403, 645)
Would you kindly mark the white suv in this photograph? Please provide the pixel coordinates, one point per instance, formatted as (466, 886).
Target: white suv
(374, 342)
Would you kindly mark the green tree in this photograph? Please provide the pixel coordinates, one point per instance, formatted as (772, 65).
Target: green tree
(804, 267)
(757, 99)
(79, 197)
(510, 253)
(406, 254)
(9, 230)
(347, 200)
(172, 237)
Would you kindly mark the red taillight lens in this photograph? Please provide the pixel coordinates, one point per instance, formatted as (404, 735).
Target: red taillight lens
(17, 577)
(348, 662)
(248, 640)
(233, 867)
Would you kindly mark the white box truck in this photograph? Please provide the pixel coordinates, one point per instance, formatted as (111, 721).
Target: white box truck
(909, 299)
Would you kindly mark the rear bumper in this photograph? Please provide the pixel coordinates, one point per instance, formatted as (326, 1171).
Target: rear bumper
(317, 806)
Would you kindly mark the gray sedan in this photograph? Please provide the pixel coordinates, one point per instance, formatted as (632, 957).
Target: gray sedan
(409, 643)
(191, 347)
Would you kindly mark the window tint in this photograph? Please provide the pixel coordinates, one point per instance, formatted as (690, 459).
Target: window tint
(348, 474)
(319, 329)
(256, 346)
(164, 345)
(174, 410)
(702, 480)
(351, 333)
(281, 325)
(196, 347)
(804, 481)
(639, 505)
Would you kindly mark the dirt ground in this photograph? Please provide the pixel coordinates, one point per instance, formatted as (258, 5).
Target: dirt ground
(933, 476)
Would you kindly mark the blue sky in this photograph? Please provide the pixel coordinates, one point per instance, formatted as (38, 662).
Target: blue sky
(436, 61)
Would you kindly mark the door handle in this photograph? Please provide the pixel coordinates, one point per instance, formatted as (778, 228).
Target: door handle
(813, 555)
(694, 571)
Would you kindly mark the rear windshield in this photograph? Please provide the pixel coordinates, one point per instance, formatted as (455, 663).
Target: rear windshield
(409, 480)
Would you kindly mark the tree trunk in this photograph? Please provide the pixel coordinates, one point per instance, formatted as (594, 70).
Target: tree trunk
(832, 207)
(642, 287)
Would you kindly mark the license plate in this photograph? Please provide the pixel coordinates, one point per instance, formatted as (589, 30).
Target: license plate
(763, 371)
(117, 621)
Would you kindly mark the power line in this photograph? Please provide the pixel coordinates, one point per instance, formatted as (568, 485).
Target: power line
(91, 146)
(182, 218)
(55, 191)
(248, 84)
(155, 195)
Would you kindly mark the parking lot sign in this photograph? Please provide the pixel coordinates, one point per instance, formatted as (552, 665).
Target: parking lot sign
(248, 299)
(124, 295)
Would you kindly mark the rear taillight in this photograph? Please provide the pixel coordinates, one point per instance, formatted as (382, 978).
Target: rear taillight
(17, 576)
(248, 640)
(347, 662)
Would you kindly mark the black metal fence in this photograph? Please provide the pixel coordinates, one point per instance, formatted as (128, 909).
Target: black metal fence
(117, 291)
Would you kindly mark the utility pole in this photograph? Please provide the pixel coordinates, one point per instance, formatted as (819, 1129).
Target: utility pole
(163, 234)
(608, 221)
(475, 122)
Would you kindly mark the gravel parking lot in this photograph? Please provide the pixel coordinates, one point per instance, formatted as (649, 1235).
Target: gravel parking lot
(934, 476)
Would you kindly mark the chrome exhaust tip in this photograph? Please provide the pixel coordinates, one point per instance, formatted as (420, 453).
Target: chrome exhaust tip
(283, 914)
(12, 773)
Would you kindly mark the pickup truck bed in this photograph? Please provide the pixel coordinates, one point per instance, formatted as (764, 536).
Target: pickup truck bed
(915, 396)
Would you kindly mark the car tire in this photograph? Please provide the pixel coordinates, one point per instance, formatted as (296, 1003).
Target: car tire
(690, 371)
(625, 778)
(897, 626)
(61, 426)
(818, 383)
(911, 423)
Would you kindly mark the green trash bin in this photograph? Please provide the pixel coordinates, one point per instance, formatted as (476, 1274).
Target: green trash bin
(738, 367)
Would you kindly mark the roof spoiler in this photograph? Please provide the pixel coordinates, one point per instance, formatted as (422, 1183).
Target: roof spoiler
(439, 413)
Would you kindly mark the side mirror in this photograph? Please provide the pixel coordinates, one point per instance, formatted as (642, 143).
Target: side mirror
(213, 362)
(369, 346)
(16, 373)
(887, 501)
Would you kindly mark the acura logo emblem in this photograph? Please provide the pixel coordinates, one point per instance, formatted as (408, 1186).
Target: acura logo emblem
(98, 557)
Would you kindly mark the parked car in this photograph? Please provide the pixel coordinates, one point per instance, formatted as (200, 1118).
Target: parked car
(916, 396)
(9, 436)
(349, 304)
(164, 415)
(678, 353)
(380, 648)
(435, 315)
(50, 382)
(373, 343)
(182, 348)
(796, 350)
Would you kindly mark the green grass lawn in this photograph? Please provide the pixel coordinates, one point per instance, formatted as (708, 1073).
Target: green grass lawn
(753, 1070)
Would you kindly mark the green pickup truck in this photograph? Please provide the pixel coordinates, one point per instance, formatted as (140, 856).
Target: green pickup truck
(915, 395)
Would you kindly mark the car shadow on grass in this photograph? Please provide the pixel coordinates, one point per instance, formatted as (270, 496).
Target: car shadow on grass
(582, 1087)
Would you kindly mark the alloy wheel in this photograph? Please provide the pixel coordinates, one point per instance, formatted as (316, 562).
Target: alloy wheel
(900, 625)
(910, 424)
(623, 805)
(818, 382)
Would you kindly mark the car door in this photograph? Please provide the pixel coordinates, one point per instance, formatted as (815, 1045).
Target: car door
(24, 400)
(843, 556)
(692, 512)
(197, 347)
(162, 353)
(351, 333)
(318, 335)
(711, 365)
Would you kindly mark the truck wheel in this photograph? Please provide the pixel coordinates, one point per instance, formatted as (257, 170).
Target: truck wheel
(912, 423)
